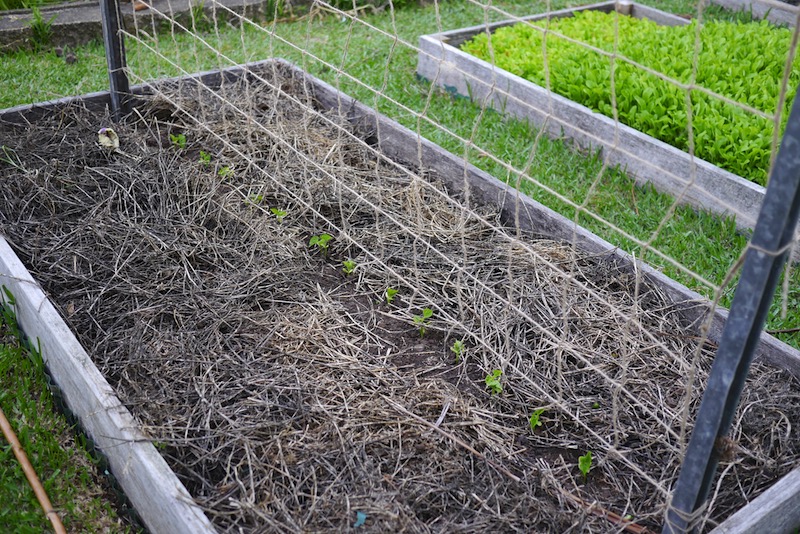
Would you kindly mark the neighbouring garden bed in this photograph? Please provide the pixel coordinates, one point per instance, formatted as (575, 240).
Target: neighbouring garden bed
(288, 395)
(744, 62)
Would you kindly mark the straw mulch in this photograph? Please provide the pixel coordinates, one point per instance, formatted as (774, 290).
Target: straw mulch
(289, 396)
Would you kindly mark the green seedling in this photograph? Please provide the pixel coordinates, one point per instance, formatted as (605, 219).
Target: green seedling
(595, 405)
(179, 140)
(255, 199)
(423, 320)
(535, 420)
(493, 382)
(390, 293)
(225, 172)
(585, 464)
(458, 349)
(205, 158)
(321, 242)
(348, 266)
(278, 213)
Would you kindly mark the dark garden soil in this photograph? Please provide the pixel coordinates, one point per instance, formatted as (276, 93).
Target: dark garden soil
(289, 396)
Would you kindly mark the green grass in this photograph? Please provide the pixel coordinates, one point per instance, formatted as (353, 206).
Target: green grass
(64, 467)
(7, 5)
(704, 245)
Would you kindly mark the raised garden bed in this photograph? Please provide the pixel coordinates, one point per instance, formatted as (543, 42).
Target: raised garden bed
(691, 180)
(287, 395)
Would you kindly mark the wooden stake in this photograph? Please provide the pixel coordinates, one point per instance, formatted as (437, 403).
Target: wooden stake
(30, 474)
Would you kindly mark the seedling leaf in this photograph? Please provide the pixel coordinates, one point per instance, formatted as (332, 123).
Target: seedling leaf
(458, 349)
(390, 293)
(534, 419)
(179, 140)
(278, 213)
(493, 382)
(585, 464)
(422, 320)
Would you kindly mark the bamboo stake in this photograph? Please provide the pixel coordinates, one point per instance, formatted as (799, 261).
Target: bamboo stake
(30, 474)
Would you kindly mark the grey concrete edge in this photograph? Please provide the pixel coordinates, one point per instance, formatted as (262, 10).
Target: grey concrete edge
(774, 11)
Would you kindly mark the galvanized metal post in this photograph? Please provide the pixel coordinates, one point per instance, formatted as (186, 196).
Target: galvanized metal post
(764, 260)
(115, 57)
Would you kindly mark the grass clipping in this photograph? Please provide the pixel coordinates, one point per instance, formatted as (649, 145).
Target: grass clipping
(289, 396)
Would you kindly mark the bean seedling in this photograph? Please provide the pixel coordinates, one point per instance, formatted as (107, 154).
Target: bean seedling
(205, 158)
(225, 172)
(321, 242)
(422, 320)
(458, 349)
(534, 419)
(390, 293)
(348, 266)
(278, 213)
(585, 464)
(179, 140)
(255, 199)
(493, 382)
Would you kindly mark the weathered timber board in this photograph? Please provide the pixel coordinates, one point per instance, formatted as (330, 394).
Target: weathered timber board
(153, 489)
(691, 180)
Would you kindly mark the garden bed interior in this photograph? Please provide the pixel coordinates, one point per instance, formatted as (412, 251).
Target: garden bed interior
(691, 180)
(289, 396)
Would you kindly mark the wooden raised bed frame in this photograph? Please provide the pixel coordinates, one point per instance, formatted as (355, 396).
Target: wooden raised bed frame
(154, 490)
